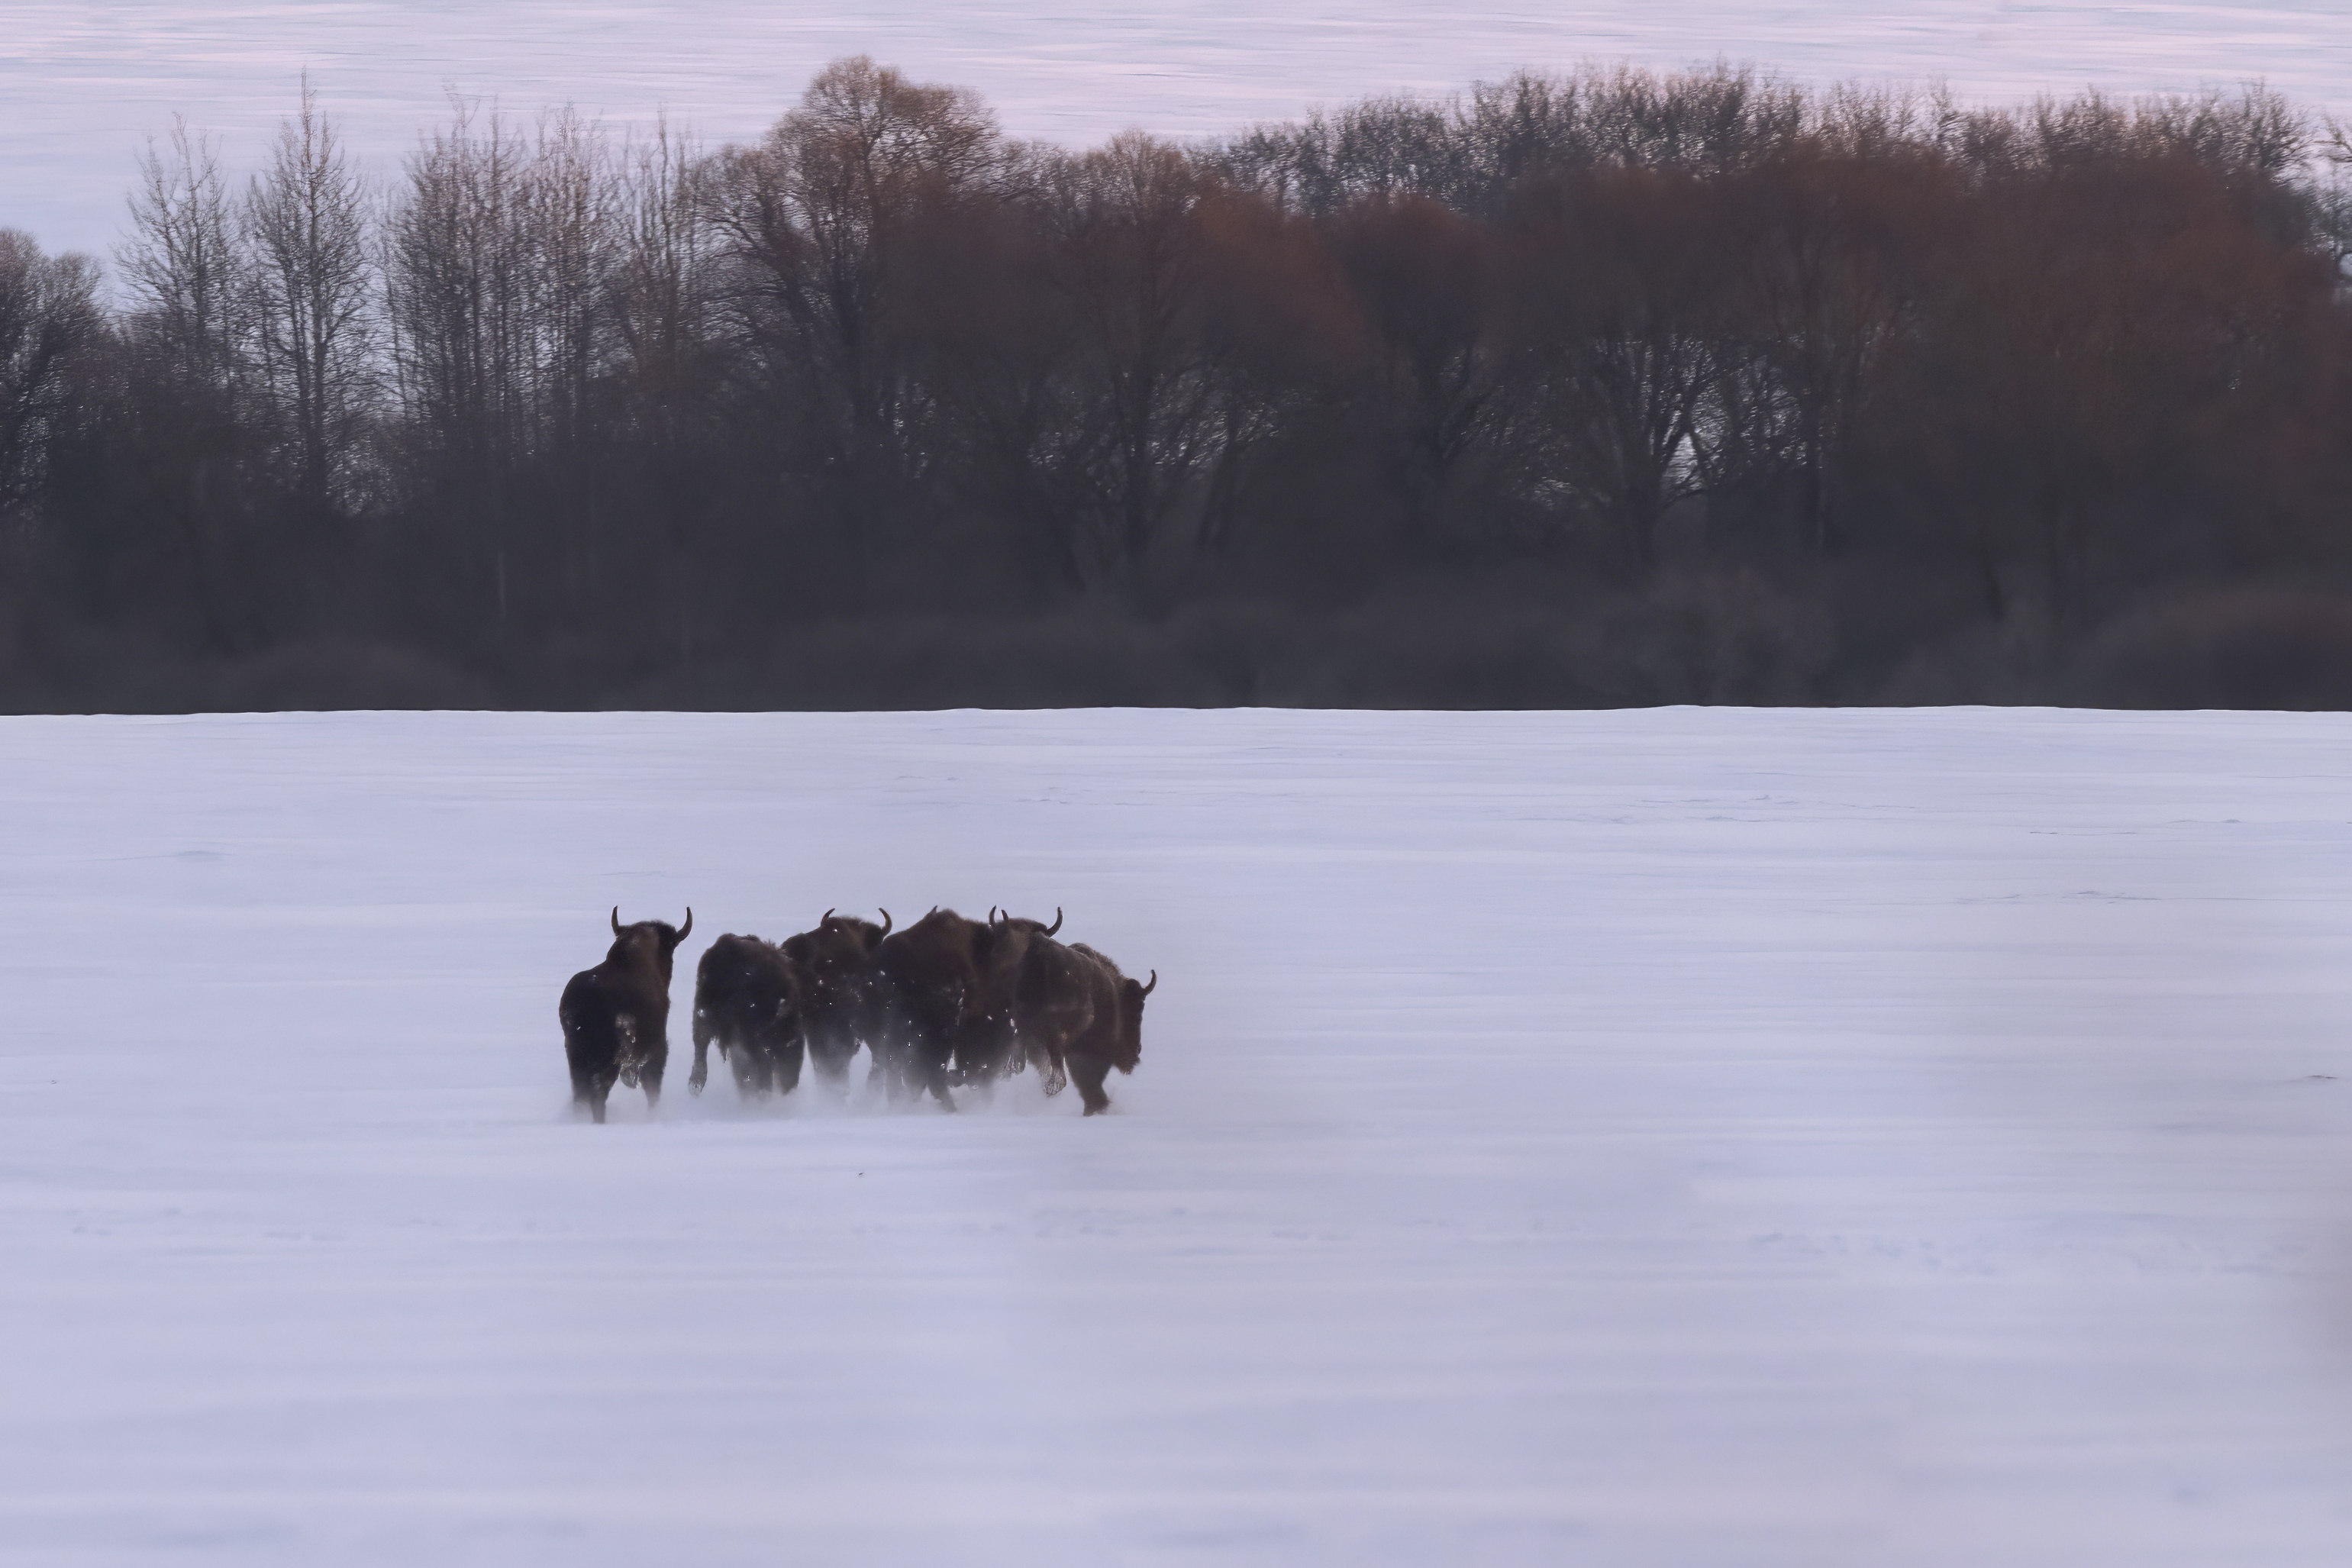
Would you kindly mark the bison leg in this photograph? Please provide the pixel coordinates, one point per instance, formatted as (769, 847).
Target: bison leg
(588, 1053)
(649, 1073)
(928, 1065)
(931, 1046)
(971, 1063)
(786, 1064)
(1045, 1046)
(1051, 1076)
(1047, 1039)
(935, 1075)
(591, 1089)
(904, 1056)
(830, 1062)
(1089, 1073)
(891, 1070)
(750, 1071)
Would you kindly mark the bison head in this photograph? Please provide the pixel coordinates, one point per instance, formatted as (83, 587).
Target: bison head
(865, 934)
(654, 940)
(1131, 994)
(1002, 946)
(831, 962)
(1006, 921)
(733, 978)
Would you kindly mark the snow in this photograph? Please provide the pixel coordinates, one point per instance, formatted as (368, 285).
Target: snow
(1653, 1138)
(85, 79)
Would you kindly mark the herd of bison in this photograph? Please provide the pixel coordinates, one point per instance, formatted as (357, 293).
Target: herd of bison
(944, 1003)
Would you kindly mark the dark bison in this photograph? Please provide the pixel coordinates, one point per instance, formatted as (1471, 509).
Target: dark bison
(834, 965)
(935, 1008)
(1072, 1011)
(989, 1041)
(615, 1016)
(1114, 1039)
(747, 999)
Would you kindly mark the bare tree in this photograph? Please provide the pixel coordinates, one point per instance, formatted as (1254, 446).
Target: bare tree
(501, 254)
(812, 217)
(1627, 344)
(181, 259)
(455, 265)
(665, 280)
(306, 225)
(456, 288)
(190, 338)
(48, 313)
(1826, 285)
(1133, 270)
(571, 210)
(1441, 379)
(499, 257)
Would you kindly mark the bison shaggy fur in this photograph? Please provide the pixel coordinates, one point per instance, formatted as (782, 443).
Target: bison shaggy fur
(1076, 1014)
(834, 965)
(615, 1016)
(747, 1002)
(936, 1004)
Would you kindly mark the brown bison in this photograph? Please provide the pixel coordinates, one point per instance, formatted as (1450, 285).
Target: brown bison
(988, 1043)
(1115, 1037)
(747, 999)
(834, 965)
(615, 1016)
(1073, 1013)
(934, 1004)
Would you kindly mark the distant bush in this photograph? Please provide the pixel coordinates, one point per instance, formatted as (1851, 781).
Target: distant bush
(2242, 647)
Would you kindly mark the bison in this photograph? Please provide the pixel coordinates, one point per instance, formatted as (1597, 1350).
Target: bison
(1114, 1039)
(1073, 1013)
(935, 1006)
(834, 964)
(615, 1016)
(988, 1042)
(747, 998)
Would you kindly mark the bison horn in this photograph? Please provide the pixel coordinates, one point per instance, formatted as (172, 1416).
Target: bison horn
(991, 914)
(687, 928)
(825, 917)
(1057, 920)
(1155, 980)
(886, 923)
(616, 919)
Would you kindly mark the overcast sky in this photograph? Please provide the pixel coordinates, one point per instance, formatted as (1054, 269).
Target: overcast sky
(83, 80)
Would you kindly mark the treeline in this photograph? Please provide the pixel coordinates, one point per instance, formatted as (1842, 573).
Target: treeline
(1574, 389)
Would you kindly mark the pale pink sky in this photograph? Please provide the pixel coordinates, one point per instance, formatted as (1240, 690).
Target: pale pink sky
(82, 80)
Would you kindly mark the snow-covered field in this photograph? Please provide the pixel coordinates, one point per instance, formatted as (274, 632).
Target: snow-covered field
(81, 79)
(1678, 1137)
